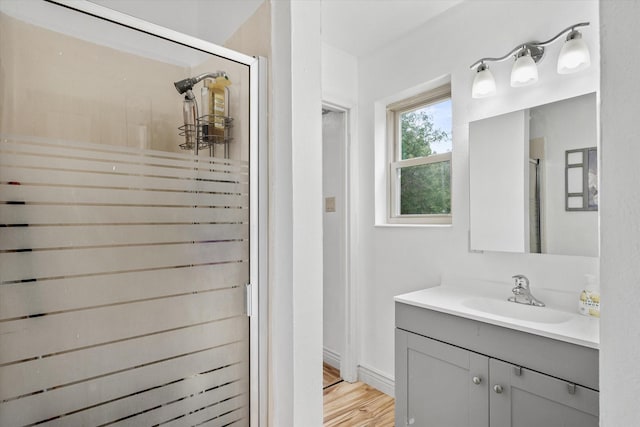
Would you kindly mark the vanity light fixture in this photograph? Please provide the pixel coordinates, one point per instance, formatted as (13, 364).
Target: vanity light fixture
(483, 84)
(524, 71)
(574, 56)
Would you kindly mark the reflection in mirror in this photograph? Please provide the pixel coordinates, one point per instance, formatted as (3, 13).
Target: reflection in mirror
(582, 179)
(521, 190)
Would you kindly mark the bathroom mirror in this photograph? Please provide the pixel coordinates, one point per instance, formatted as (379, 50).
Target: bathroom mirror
(518, 180)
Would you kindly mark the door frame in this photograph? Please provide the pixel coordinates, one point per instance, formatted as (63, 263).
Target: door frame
(257, 297)
(349, 357)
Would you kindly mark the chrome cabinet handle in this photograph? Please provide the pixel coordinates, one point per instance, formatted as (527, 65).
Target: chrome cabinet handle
(476, 380)
(498, 388)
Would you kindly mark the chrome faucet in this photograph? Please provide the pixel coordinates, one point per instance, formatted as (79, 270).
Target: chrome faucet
(522, 293)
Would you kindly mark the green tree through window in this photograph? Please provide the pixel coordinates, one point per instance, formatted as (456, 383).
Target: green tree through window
(424, 189)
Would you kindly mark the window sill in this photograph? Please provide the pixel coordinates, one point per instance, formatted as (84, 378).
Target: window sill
(406, 225)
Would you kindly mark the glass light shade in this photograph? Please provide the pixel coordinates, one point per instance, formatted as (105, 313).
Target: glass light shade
(574, 56)
(524, 71)
(483, 84)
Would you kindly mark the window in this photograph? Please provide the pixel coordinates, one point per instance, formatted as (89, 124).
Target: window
(420, 146)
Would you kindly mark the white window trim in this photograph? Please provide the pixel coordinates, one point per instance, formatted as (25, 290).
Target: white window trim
(394, 153)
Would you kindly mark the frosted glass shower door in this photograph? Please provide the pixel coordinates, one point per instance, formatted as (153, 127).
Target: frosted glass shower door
(122, 286)
(124, 260)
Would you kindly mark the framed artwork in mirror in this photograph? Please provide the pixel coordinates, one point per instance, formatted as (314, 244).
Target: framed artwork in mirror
(581, 179)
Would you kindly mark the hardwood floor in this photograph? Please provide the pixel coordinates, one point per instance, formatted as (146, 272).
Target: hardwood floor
(330, 376)
(354, 405)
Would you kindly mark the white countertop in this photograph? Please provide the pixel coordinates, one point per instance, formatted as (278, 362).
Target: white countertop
(454, 299)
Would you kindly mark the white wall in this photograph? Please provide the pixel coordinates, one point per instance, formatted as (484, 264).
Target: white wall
(253, 36)
(295, 204)
(126, 99)
(563, 127)
(394, 260)
(339, 76)
(620, 215)
(333, 146)
(307, 212)
(295, 229)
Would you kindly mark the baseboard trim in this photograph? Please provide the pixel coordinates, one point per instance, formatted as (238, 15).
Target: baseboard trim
(366, 374)
(376, 379)
(331, 358)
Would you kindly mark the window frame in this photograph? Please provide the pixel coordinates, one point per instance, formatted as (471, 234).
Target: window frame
(396, 164)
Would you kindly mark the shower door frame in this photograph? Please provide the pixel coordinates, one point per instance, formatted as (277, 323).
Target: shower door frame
(256, 298)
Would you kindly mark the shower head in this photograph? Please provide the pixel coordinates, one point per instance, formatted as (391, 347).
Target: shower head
(184, 85)
(187, 84)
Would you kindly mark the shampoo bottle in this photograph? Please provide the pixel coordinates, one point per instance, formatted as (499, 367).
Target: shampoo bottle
(189, 115)
(589, 303)
(219, 107)
(206, 103)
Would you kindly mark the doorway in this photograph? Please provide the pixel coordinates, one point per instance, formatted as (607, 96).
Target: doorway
(333, 141)
(338, 314)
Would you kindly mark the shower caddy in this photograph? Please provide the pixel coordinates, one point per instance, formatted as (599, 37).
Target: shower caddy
(198, 130)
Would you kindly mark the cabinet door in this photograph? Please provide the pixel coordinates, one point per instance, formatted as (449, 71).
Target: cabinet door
(439, 385)
(524, 398)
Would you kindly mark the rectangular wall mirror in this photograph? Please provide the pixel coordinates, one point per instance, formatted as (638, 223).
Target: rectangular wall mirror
(519, 179)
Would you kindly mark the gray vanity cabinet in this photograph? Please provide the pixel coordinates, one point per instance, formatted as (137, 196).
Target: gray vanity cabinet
(440, 388)
(532, 399)
(460, 378)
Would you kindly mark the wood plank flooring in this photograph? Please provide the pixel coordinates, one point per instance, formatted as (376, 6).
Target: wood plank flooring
(354, 405)
(330, 376)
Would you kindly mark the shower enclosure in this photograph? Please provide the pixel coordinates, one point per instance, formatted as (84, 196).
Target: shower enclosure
(129, 267)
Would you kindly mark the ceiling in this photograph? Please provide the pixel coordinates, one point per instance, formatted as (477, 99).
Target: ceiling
(211, 20)
(354, 26)
(361, 26)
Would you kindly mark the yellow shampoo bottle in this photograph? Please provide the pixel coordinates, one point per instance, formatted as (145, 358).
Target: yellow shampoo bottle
(218, 107)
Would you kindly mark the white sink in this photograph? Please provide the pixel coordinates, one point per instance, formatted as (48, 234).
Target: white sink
(514, 310)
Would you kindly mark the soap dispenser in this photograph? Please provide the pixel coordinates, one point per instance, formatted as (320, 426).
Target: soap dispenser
(589, 303)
